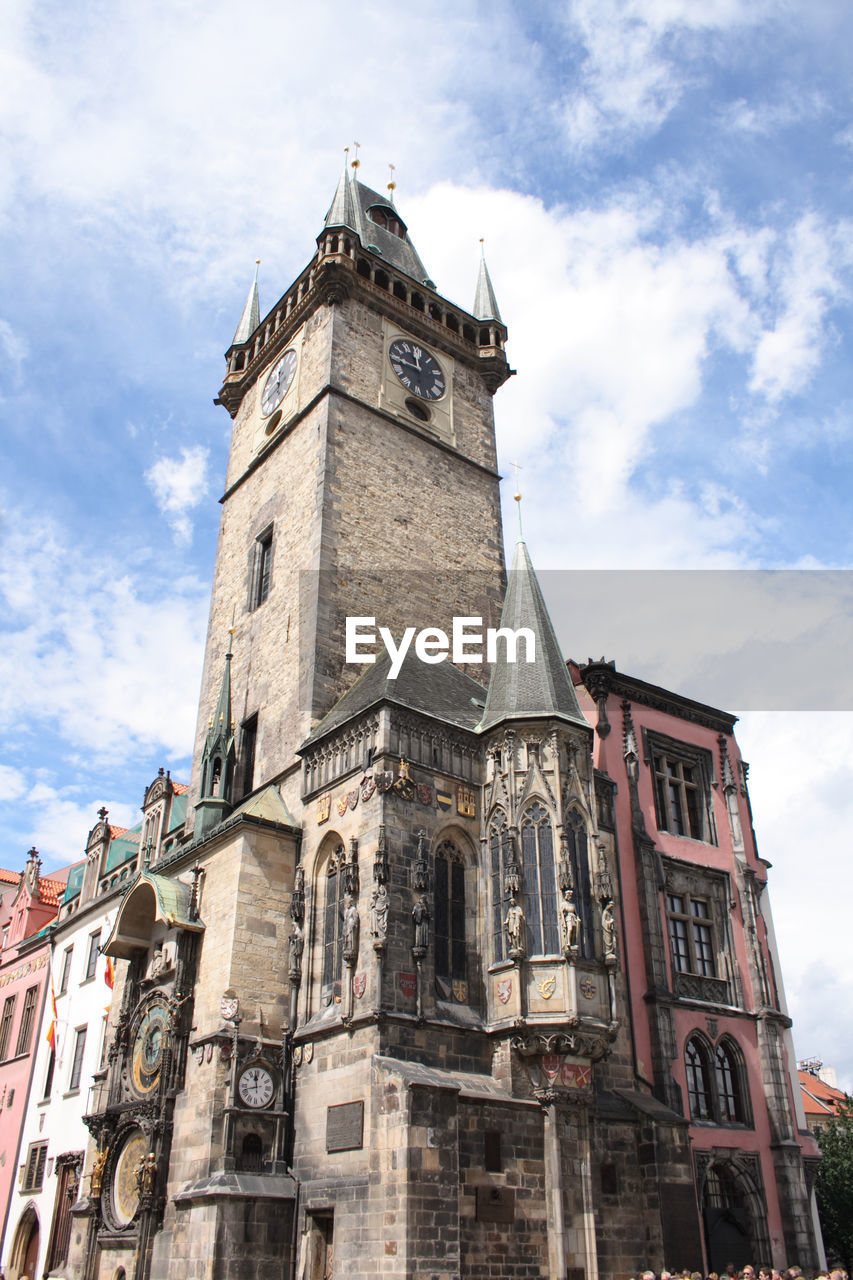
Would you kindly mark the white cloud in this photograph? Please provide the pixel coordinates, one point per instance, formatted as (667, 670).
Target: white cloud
(801, 788)
(111, 660)
(13, 783)
(14, 348)
(179, 487)
(61, 821)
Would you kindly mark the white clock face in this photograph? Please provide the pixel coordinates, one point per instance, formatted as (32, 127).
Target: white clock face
(279, 382)
(256, 1087)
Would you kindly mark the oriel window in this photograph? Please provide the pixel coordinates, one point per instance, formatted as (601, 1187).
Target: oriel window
(539, 884)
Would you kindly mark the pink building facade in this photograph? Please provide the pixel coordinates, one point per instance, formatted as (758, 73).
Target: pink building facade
(24, 982)
(711, 1032)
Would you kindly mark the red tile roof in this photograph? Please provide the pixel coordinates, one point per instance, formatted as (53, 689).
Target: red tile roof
(9, 877)
(51, 891)
(819, 1098)
(117, 831)
(180, 788)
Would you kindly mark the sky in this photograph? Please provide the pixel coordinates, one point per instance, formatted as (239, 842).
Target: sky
(663, 190)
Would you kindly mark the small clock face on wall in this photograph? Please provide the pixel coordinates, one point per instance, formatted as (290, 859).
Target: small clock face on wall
(149, 1046)
(256, 1087)
(279, 382)
(417, 369)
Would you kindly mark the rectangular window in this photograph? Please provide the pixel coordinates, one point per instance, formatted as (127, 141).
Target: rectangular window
(66, 971)
(691, 934)
(6, 1026)
(682, 776)
(67, 1181)
(92, 962)
(34, 1171)
(48, 1077)
(77, 1064)
(261, 569)
(248, 744)
(25, 1031)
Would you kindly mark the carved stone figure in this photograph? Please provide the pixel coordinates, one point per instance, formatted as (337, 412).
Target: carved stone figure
(420, 915)
(98, 1171)
(297, 946)
(514, 925)
(146, 1174)
(379, 914)
(571, 924)
(608, 930)
(352, 925)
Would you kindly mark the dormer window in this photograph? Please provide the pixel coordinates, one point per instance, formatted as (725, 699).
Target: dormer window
(384, 216)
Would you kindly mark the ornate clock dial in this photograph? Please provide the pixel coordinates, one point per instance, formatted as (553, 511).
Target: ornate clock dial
(124, 1192)
(256, 1087)
(149, 1045)
(278, 383)
(417, 369)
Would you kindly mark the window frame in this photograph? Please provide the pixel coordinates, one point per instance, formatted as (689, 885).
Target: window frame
(92, 958)
(33, 1179)
(499, 850)
(333, 923)
(449, 933)
(76, 1073)
(65, 977)
(7, 1021)
(691, 882)
(696, 820)
(691, 934)
(27, 1023)
(261, 569)
(539, 880)
(708, 1101)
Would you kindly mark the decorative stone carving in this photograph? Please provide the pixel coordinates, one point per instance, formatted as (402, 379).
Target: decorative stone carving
(570, 923)
(515, 929)
(352, 926)
(608, 931)
(420, 916)
(379, 917)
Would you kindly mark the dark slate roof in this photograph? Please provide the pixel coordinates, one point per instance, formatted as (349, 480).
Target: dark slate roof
(441, 691)
(485, 302)
(251, 317)
(349, 209)
(525, 690)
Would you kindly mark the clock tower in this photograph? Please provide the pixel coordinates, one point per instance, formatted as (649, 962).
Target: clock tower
(361, 481)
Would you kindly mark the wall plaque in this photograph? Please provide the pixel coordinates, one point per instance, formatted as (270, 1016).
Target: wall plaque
(345, 1126)
(495, 1204)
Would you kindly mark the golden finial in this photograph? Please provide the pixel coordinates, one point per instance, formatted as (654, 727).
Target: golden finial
(356, 162)
(392, 186)
(517, 498)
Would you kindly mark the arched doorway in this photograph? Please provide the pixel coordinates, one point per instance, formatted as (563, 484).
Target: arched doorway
(733, 1213)
(25, 1250)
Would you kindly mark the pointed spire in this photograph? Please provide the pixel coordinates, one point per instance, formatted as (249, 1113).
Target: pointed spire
(525, 690)
(355, 207)
(342, 209)
(221, 726)
(251, 317)
(485, 302)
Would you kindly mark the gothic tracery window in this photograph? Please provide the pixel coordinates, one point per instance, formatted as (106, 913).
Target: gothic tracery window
(575, 829)
(333, 926)
(715, 1088)
(698, 1080)
(450, 953)
(539, 885)
(498, 858)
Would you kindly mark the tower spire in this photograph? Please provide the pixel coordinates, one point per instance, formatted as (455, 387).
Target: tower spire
(218, 759)
(521, 690)
(485, 302)
(251, 317)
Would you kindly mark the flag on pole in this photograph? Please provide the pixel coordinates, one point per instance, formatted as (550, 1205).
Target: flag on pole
(110, 973)
(51, 1031)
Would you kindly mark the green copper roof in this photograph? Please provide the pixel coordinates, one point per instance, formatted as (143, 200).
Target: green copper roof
(74, 882)
(268, 805)
(149, 898)
(530, 690)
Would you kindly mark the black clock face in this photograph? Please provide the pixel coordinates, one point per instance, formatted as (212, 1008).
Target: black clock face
(149, 1045)
(418, 371)
(278, 383)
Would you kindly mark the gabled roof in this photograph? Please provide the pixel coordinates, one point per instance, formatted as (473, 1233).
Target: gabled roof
(441, 691)
(349, 208)
(819, 1098)
(51, 891)
(9, 877)
(180, 788)
(530, 690)
(268, 805)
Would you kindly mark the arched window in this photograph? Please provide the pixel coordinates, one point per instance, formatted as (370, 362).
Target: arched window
(698, 1080)
(539, 885)
(498, 854)
(333, 926)
(450, 955)
(729, 1095)
(575, 829)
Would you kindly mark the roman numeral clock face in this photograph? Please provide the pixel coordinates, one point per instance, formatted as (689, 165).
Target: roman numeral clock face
(417, 369)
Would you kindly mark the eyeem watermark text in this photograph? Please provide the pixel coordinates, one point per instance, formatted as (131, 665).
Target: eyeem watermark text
(432, 645)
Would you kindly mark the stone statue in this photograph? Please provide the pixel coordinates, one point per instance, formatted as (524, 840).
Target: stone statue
(297, 946)
(420, 915)
(352, 925)
(514, 925)
(98, 1171)
(571, 923)
(379, 914)
(608, 930)
(146, 1174)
